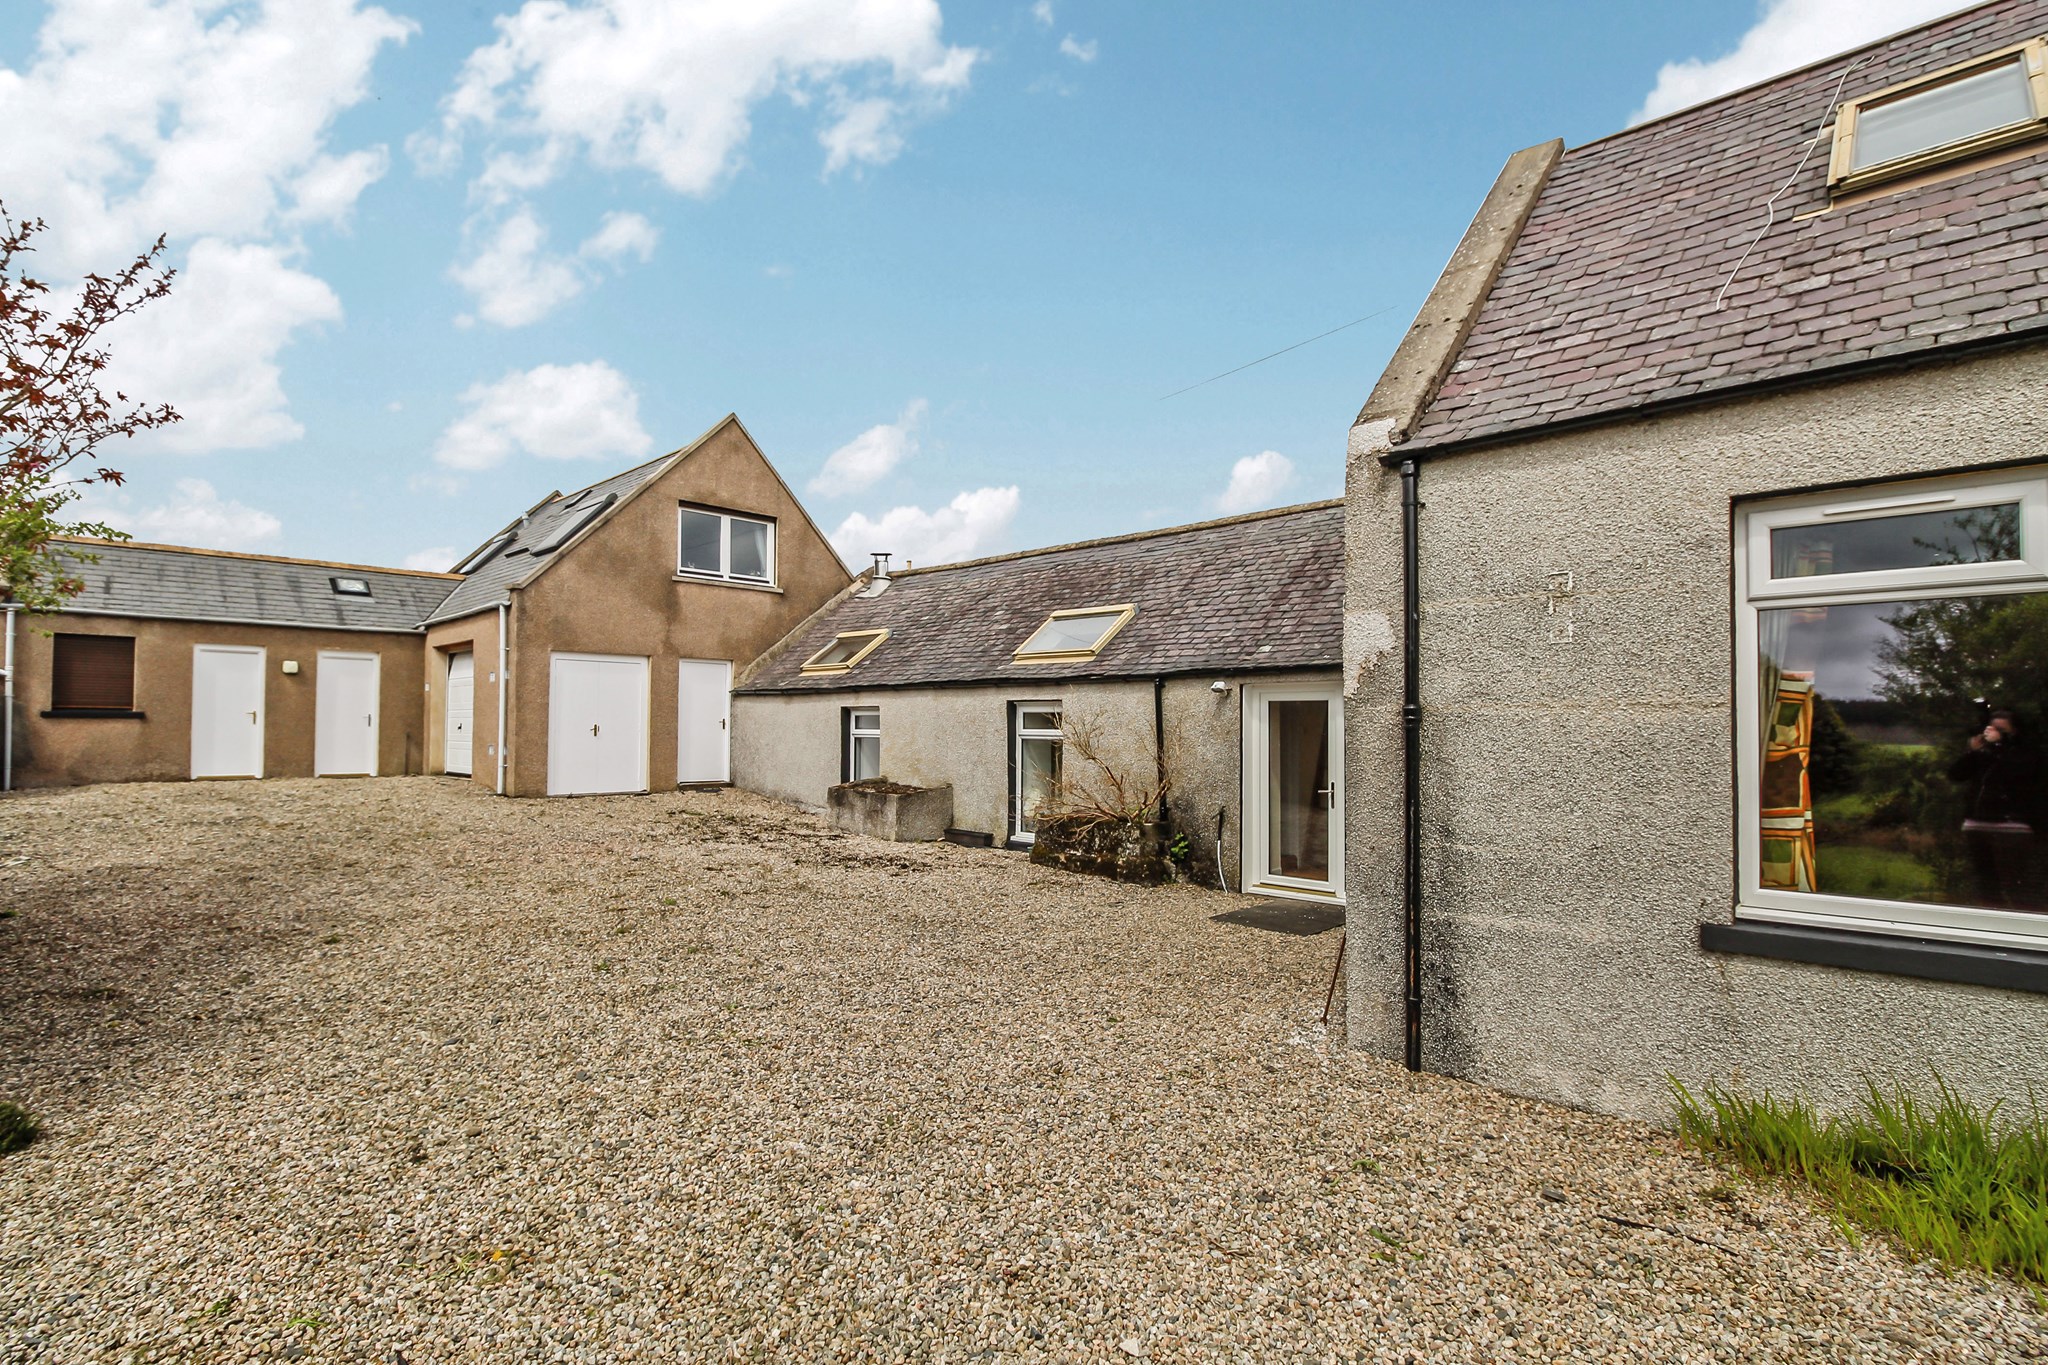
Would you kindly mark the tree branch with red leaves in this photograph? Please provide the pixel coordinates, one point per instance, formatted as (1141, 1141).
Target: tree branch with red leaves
(54, 414)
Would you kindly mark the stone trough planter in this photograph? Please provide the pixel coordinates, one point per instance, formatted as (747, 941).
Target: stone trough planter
(881, 809)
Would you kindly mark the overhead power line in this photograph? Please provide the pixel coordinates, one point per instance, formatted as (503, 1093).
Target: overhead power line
(1282, 351)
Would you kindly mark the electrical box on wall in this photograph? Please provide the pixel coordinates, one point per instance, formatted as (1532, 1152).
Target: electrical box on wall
(291, 666)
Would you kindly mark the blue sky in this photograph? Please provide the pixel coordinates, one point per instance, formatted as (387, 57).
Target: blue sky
(443, 258)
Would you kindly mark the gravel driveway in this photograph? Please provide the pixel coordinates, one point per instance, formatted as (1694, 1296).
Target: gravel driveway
(393, 1071)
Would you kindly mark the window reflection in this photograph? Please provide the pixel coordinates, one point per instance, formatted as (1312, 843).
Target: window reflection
(1918, 540)
(1902, 753)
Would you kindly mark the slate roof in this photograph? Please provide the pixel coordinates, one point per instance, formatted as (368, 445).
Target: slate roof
(486, 584)
(1249, 593)
(1606, 301)
(169, 582)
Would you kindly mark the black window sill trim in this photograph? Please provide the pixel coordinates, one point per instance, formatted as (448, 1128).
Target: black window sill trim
(1970, 964)
(92, 713)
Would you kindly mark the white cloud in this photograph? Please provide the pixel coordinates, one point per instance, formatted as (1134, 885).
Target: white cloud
(969, 525)
(867, 458)
(195, 516)
(516, 280)
(1788, 34)
(1078, 50)
(1257, 481)
(435, 560)
(1042, 12)
(211, 348)
(556, 412)
(208, 121)
(671, 89)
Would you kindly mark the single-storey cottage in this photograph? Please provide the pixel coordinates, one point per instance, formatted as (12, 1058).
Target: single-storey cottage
(1697, 600)
(1204, 654)
(597, 632)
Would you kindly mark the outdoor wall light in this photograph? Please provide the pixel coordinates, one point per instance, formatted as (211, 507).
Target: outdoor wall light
(1219, 686)
(291, 667)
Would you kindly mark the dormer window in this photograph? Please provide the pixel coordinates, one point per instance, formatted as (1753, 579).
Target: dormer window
(845, 651)
(1991, 102)
(1074, 636)
(724, 545)
(350, 587)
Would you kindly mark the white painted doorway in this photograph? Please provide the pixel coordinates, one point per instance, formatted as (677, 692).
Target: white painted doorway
(227, 711)
(345, 714)
(459, 711)
(703, 720)
(1293, 819)
(597, 724)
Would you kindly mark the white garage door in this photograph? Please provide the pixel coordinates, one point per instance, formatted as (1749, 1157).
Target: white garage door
(597, 724)
(461, 714)
(227, 711)
(703, 701)
(345, 715)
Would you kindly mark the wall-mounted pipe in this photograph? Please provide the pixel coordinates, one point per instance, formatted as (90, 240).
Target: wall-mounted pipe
(1411, 754)
(1159, 743)
(504, 684)
(7, 745)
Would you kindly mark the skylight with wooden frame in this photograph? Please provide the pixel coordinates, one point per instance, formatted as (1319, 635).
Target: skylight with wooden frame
(1988, 103)
(1074, 636)
(845, 651)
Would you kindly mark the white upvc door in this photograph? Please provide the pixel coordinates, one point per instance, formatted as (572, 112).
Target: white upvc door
(597, 724)
(227, 711)
(345, 714)
(1292, 840)
(460, 704)
(703, 720)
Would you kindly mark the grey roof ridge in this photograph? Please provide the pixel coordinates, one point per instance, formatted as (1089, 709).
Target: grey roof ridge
(244, 554)
(1760, 387)
(1294, 509)
(1800, 70)
(782, 646)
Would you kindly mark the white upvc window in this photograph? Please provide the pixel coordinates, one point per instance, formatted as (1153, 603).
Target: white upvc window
(863, 743)
(1037, 759)
(1892, 709)
(724, 545)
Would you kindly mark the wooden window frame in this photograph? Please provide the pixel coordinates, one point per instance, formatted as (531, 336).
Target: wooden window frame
(1845, 178)
(811, 665)
(1125, 611)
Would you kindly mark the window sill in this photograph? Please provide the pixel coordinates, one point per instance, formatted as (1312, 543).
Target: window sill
(91, 713)
(1016, 845)
(712, 580)
(1970, 964)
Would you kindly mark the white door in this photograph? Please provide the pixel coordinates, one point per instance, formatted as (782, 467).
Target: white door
(597, 724)
(227, 711)
(461, 713)
(703, 720)
(344, 715)
(1293, 823)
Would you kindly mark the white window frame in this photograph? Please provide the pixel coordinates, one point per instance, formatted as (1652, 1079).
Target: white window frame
(725, 573)
(855, 731)
(1018, 734)
(1756, 590)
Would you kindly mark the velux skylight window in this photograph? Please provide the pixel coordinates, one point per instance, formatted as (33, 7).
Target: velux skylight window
(845, 651)
(1073, 636)
(1990, 102)
(350, 587)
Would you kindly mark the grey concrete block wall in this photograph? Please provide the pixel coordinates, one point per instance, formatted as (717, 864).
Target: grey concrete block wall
(787, 746)
(1579, 798)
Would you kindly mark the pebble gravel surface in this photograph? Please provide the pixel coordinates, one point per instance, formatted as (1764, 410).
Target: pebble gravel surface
(394, 1071)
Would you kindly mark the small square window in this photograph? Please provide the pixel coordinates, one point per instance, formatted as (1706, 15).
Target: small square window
(1071, 636)
(845, 651)
(351, 587)
(724, 545)
(1991, 102)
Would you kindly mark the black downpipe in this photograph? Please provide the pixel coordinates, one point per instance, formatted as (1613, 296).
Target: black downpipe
(1411, 752)
(1159, 743)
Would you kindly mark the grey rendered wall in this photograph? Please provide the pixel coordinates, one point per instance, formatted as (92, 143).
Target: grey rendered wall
(1578, 756)
(787, 747)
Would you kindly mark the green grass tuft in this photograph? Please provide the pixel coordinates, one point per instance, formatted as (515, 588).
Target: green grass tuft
(18, 1127)
(1946, 1179)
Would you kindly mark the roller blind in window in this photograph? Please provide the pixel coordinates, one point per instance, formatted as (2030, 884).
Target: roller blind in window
(93, 672)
